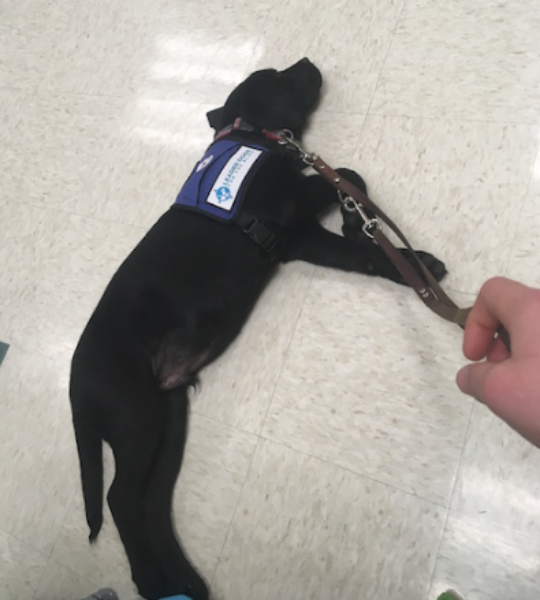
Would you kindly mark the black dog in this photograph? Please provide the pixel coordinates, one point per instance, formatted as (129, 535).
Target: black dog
(181, 298)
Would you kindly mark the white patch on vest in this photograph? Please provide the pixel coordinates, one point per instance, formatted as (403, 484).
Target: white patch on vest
(204, 163)
(225, 190)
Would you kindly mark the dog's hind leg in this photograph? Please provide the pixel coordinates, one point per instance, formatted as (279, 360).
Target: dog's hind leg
(159, 496)
(135, 445)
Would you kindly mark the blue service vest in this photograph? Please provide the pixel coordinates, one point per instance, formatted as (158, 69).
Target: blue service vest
(217, 184)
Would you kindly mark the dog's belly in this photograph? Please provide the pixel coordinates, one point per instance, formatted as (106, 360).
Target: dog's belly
(186, 349)
(171, 369)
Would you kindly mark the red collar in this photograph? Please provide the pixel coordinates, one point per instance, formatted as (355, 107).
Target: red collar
(241, 125)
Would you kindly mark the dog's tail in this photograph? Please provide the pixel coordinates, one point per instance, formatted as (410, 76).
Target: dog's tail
(90, 447)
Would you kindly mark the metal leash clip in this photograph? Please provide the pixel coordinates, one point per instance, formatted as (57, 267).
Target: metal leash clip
(286, 138)
(352, 205)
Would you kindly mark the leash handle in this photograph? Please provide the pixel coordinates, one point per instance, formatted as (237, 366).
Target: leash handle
(501, 333)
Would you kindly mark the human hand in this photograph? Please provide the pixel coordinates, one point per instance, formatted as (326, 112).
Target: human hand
(508, 382)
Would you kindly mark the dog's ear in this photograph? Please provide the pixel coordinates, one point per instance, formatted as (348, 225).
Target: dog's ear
(215, 117)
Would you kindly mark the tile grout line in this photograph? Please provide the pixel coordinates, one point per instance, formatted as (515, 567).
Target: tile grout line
(518, 221)
(220, 422)
(262, 438)
(248, 68)
(231, 523)
(359, 138)
(47, 555)
(355, 473)
(21, 541)
(51, 553)
(429, 582)
(41, 579)
(287, 350)
(375, 87)
(81, 215)
(451, 497)
(40, 552)
(322, 110)
(35, 90)
(54, 50)
(451, 119)
(277, 442)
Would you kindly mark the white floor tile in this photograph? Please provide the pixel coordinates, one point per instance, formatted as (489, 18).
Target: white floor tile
(305, 529)
(201, 58)
(22, 568)
(39, 468)
(10, 100)
(369, 385)
(50, 316)
(462, 60)
(106, 50)
(216, 466)
(348, 41)
(455, 188)
(29, 32)
(334, 137)
(483, 562)
(51, 153)
(498, 476)
(28, 237)
(103, 562)
(137, 178)
(60, 583)
(522, 262)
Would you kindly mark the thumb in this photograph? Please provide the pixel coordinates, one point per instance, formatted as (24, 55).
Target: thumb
(471, 379)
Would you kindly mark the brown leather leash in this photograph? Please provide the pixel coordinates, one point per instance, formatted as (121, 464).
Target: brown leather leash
(353, 199)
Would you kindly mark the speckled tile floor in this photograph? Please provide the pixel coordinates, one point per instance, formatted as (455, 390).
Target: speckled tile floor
(340, 462)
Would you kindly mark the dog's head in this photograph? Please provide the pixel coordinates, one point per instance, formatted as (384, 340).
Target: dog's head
(271, 99)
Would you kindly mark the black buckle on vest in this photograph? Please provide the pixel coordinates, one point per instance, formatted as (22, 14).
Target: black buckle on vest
(258, 232)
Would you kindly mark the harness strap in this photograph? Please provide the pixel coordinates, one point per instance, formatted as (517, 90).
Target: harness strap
(257, 231)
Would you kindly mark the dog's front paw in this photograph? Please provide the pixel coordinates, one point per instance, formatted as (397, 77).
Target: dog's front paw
(436, 267)
(354, 178)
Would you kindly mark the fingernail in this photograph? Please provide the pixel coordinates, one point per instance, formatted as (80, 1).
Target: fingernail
(462, 379)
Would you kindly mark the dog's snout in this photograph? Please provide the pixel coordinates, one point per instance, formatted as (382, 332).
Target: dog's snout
(302, 65)
(304, 70)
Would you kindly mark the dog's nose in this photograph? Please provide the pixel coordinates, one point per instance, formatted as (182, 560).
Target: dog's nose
(307, 72)
(303, 64)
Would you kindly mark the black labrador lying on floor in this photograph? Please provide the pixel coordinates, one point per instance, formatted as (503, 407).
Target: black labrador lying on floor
(183, 295)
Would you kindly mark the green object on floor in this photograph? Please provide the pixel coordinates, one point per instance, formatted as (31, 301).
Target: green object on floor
(3, 351)
(450, 595)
